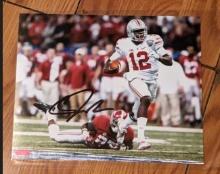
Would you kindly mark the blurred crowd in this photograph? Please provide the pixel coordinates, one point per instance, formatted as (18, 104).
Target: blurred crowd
(60, 54)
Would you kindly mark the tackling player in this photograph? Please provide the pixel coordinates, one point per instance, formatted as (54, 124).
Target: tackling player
(143, 53)
(101, 132)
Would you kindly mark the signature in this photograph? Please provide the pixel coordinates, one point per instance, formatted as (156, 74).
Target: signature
(95, 107)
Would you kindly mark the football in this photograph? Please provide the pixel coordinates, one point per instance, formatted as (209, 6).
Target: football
(113, 67)
(115, 64)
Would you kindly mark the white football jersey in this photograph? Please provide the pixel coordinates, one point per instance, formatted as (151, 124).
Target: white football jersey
(142, 58)
(23, 67)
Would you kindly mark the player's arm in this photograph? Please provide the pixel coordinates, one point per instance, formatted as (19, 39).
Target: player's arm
(166, 60)
(111, 65)
(164, 56)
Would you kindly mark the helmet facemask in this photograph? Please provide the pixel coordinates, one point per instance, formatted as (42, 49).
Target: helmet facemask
(139, 35)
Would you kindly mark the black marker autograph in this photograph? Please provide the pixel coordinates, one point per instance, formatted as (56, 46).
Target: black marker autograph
(73, 112)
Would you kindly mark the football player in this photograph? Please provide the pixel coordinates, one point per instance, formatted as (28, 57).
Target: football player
(143, 53)
(101, 132)
(189, 62)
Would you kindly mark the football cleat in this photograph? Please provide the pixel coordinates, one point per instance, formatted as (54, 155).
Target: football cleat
(42, 106)
(143, 145)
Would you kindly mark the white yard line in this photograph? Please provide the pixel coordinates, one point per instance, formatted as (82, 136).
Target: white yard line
(42, 134)
(78, 131)
(148, 128)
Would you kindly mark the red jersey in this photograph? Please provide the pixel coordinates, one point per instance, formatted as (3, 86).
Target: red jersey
(79, 75)
(50, 69)
(102, 125)
(44, 68)
(65, 58)
(92, 62)
(66, 78)
(190, 66)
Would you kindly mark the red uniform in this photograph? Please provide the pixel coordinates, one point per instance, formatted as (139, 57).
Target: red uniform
(190, 66)
(65, 58)
(102, 126)
(93, 64)
(45, 68)
(79, 75)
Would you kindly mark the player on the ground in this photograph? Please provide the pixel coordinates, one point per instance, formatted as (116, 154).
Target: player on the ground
(143, 53)
(101, 132)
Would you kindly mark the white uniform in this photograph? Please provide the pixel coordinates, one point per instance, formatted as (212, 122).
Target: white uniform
(24, 82)
(143, 63)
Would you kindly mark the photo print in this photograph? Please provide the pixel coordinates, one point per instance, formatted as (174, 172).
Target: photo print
(121, 88)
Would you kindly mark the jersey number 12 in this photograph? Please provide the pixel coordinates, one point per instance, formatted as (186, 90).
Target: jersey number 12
(142, 63)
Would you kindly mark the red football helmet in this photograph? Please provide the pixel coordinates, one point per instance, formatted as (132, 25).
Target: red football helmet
(116, 117)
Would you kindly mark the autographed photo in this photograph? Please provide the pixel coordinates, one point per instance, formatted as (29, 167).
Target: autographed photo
(121, 88)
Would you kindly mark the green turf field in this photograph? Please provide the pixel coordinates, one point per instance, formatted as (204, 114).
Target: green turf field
(165, 144)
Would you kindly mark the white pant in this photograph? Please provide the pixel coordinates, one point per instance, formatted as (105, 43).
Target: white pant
(106, 87)
(65, 136)
(27, 88)
(192, 88)
(128, 93)
(142, 88)
(50, 91)
(170, 109)
(193, 96)
(119, 86)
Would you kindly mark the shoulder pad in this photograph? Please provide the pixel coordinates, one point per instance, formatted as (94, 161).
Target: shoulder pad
(122, 43)
(122, 40)
(154, 39)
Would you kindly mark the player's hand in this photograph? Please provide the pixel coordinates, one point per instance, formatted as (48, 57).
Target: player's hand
(101, 140)
(111, 67)
(85, 132)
